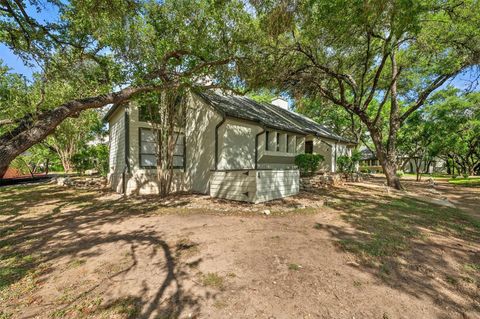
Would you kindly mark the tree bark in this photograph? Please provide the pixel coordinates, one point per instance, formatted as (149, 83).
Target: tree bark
(32, 131)
(47, 163)
(389, 167)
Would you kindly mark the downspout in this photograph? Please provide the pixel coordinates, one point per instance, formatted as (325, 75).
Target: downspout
(335, 159)
(126, 169)
(224, 118)
(256, 146)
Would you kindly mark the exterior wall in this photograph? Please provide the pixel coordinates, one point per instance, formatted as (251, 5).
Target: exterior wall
(276, 184)
(254, 186)
(141, 180)
(117, 150)
(236, 144)
(201, 120)
(341, 150)
(200, 144)
(436, 165)
(330, 150)
(276, 175)
(234, 185)
(326, 149)
(273, 159)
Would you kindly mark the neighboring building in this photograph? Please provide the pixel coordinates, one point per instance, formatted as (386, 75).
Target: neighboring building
(12, 173)
(370, 162)
(230, 147)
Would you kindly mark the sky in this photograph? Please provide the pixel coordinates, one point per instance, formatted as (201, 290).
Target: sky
(47, 13)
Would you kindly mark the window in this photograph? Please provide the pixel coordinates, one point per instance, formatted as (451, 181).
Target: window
(179, 151)
(148, 113)
(278, 142)
(309, 147)
(267, 139)
(148, 149)
(148, 145)
(291, 143)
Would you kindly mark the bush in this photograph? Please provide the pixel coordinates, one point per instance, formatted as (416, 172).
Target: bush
(365, 169)
(308, 163)
(347, 164)
(400, 173)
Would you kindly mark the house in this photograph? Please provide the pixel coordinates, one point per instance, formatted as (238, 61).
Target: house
(12, 173)
(370, 163)
(230, 147)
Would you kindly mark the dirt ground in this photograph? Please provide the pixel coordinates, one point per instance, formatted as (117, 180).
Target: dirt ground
(356, 251)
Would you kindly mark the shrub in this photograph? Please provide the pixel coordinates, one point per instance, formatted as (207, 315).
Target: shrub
(365, 169)
(347, 164)
(308, 163)
(400, 173)
(343, 164)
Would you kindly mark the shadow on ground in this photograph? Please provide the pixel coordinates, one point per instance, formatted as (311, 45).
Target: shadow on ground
(418, 248)
(70, 227)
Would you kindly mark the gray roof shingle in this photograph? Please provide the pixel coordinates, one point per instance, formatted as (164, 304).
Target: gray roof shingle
(267, 114)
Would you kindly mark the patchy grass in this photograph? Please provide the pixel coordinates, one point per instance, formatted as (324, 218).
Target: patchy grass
(213, 280)
(43, 223)
(76, 263)
(295, 267)
(219, 304)
(386, 227)
(187, 248)
(127, 308)
(5, 315)
(451, 280)
(472, 267)
(466, 182)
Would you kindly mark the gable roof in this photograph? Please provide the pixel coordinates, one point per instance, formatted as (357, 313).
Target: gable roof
(269, 115)
(241, 107)
(366, 154)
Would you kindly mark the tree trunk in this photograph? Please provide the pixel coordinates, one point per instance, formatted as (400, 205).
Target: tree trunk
(387, 161)
(390, 171)
(417, 169)
(47, 163)
(391, 157)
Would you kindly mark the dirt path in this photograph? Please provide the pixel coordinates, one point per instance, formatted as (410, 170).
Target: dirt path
(102, 257)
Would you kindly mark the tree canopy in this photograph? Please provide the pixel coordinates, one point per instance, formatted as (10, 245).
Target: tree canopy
(379, 60)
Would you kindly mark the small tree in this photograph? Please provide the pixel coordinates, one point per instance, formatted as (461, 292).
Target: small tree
(165, 111)
(308, 163)
(92, 157)
(73, 134)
